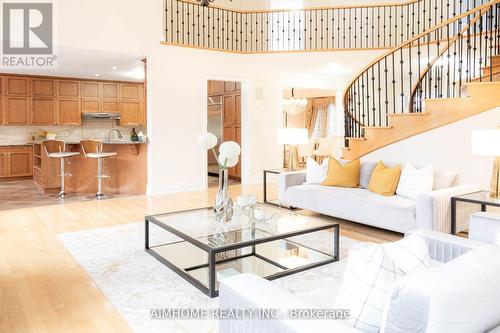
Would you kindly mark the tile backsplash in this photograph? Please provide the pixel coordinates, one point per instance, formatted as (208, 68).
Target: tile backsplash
(89, 129)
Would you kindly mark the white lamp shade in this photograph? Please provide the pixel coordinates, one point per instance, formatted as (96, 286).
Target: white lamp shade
(486, 142)
(292, 136)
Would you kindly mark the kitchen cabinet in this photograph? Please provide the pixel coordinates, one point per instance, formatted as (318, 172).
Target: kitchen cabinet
(17, 110)
(110, 106)
(237, 109)
(229, 110)
(69, 111)
(229, 86)
(215, 88)
(43, 87)
(16, 162)
(91, 105)
(130, 91)
(3, 164)
(40, 100)
(17, 86)
(68, 89)
(44, 111)
(131, 113)
(110, 90)
(90, 89)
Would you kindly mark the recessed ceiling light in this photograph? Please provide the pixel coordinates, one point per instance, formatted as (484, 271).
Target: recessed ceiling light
(115, 68)
(97, 74)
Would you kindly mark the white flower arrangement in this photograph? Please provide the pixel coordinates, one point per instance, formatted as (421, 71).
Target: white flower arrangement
(229, 151)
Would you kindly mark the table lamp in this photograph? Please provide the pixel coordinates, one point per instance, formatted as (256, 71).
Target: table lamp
(292, 137)
(487, 143)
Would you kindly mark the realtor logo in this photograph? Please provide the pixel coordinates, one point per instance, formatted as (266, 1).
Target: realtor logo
(27, 28)
(28, 35)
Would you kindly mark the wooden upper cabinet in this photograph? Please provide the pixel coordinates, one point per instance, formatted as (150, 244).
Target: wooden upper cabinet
(44, 111)
(110, 106)
(131, 113)
(229, 110)
(215, 88)
(90, 89)
(68, 89)
(110, 90)
(17, 110)
(17, 86)
(69, 111)
(131, 91)
(43, 87)
(229, 86)
(91, 105)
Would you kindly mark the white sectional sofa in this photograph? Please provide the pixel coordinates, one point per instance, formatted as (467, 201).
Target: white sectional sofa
(431, 210)
(460, 293)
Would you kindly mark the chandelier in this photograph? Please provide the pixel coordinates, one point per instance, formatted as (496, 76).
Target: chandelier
(294, 105)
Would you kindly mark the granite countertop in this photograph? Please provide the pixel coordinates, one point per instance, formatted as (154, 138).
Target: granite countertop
(76, 142)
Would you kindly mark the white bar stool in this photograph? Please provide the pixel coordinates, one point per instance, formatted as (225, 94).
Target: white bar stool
(93, 149)
(57, 149)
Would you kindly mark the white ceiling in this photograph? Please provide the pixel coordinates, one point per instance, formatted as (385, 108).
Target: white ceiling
(90, 64)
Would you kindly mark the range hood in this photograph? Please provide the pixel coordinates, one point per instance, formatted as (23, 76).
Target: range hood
(101, 115)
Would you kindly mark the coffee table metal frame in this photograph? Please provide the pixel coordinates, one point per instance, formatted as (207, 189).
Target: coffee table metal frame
(213, 251)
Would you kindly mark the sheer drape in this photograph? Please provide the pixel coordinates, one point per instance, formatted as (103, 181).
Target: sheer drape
(317, 118)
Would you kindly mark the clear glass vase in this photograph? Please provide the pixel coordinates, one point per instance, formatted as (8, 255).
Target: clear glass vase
(223, 205)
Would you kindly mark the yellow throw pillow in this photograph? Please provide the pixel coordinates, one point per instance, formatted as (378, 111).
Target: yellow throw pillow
(384, 180)
(346, 175)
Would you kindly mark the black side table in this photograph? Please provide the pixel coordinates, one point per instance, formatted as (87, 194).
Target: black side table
(274, 172)
(481, 198)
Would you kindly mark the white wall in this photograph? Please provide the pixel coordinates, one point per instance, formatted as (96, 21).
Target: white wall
(176, 79)
(448, 148)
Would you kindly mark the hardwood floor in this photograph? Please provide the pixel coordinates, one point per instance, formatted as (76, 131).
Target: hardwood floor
(43, 289)
(24, 193)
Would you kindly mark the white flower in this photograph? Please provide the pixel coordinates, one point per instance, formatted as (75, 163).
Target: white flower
(207, 141)
(230, 150)
(229, 162)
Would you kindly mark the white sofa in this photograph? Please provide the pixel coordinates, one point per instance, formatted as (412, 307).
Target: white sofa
(431, 210)
(462, 295)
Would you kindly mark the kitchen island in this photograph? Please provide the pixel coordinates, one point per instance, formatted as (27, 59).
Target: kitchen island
(127, 170)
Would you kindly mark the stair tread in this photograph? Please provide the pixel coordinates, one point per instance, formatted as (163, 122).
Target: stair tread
(355, 139)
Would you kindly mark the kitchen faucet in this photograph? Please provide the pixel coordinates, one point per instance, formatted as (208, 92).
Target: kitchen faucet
(111, 131)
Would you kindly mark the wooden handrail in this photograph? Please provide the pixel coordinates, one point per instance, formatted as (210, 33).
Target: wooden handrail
(313, 8)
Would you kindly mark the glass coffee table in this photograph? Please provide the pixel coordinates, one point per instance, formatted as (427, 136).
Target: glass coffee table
(204, 252)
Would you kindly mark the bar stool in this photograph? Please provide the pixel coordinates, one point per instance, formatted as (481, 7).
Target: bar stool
(93, 149)
(57, 149)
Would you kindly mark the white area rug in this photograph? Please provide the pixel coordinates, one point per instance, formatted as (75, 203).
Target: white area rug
(134, 282)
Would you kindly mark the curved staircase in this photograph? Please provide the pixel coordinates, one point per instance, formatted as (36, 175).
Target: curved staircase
(443, 75)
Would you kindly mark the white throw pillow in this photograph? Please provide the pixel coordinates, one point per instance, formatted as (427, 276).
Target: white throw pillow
(316, 173)
(410, 254)
(370, 275)
(415, 181)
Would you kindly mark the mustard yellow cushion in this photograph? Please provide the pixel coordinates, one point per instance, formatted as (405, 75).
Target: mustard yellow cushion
(384, 180)
(346, 175)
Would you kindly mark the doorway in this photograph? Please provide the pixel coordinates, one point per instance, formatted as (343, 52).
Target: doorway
(224, 120)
